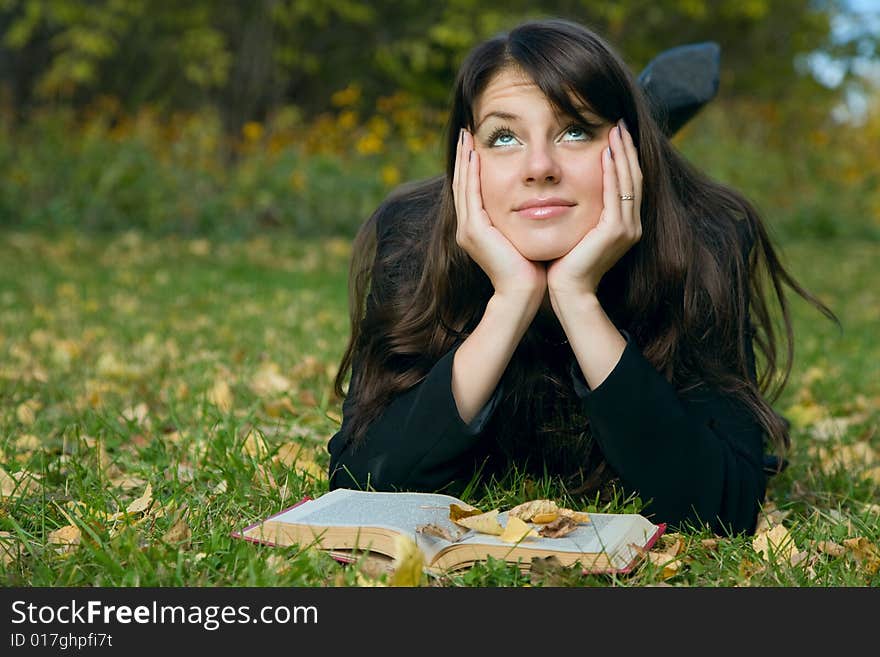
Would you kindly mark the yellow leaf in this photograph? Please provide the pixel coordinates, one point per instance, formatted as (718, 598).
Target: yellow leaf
(528, 510)
(872, 475)
(178, 532)
(669, 566)
(409, 562)
(269, 381)
(10, 548)
(580, 517)
(289, 453)
(255, 446)
(221, 395)
(775, 544)
(143, 502)
(516, 531)
(18, 483)
(485, 523)
(831, 548)
(67, 538)
(27, 412)
(458, 511)
(865, 553)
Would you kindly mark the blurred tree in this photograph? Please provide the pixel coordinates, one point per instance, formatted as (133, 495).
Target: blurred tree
(249, 56)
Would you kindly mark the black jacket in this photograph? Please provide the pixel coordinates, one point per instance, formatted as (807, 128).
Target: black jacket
(694, 456)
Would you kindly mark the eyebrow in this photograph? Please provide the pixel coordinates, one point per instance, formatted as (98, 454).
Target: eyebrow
(513, 117)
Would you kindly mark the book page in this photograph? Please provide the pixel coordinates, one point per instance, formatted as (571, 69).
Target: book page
(400, 512)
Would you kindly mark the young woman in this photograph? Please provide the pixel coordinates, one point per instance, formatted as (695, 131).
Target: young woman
(571, 299)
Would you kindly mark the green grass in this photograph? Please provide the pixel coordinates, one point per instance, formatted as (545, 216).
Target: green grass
(110, 349)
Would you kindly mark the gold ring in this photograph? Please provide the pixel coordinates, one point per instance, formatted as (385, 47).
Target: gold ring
(626, 197)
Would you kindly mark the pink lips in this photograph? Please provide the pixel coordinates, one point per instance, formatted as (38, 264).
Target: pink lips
(544, 211)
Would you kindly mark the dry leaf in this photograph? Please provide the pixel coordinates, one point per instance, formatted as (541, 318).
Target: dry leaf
(178, 532)
(580, 517)
(142, 503)
(269, 381)
(865, 553)
(10, 548)
(255, 445)
(831, 548)
(775, 544)
(409, 562)
(221, 395)
(872, 475)
(451, 535)
(485, 523)
(668, 565)
(18, 483)
(562, 526)
(517, 530)
(458, 511)
(528, 510)
(66, 538)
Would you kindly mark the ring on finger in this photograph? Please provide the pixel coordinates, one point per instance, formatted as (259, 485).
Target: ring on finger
(626, 197)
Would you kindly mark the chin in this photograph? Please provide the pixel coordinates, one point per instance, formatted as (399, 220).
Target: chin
(543, 252)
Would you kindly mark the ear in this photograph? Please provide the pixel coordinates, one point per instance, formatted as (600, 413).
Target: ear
(680, 81)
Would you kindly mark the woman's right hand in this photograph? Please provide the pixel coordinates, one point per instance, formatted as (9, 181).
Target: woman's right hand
(511, 273)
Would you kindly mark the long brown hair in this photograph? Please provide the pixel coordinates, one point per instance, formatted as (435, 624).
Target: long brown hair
(685, 291)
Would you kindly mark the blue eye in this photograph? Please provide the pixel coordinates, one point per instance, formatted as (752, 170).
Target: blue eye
(504, 132)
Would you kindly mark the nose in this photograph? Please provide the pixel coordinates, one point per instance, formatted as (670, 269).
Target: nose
(541, 165)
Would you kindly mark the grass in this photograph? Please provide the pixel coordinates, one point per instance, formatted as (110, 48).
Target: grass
(203, 369)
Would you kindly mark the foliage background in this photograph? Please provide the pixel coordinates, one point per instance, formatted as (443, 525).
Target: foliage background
(238, 117)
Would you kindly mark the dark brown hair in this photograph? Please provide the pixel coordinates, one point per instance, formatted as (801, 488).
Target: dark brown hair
(686, 291)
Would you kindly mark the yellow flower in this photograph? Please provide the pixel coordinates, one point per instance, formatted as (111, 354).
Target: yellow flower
(346, 97)
(347, 119)
(297, 180)
(252, 131)
(390, 175)
(369, 144)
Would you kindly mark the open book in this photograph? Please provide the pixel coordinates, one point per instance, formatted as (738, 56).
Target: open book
(347, 523)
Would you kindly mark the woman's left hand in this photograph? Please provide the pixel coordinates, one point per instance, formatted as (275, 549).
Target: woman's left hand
(579, 271)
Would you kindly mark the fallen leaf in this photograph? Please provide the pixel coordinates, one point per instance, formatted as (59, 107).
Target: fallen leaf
(66, 539)
(142, 503)
(255, 445)
(485, 523)
(580, 517)
(864, 552)
(18, 483)
(179, 532)
(562, 526)
(10, 548)
(221, 395)
(774, 544)
(451, 535)
(872, 475)
(409, 562)
(528, 510)
(517, 530)
(458, 511)
(668, 565)
(831, 548)
(269, 381)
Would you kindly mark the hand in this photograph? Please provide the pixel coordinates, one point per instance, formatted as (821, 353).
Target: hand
(579, 271)
(510, 272)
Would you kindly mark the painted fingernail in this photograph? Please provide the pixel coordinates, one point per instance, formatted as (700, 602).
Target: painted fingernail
(461, 135)
(619, 133)
(469, 155)
(610, 154)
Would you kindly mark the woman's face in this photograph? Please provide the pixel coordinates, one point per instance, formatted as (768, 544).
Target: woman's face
(533, 153)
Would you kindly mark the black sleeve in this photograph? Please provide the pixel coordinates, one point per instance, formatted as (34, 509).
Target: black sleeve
(420, 442)
(694, 457)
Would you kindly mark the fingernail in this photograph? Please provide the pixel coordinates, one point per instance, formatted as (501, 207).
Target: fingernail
(619, 133)
(610, 154)
(461, 135)
(469, 155)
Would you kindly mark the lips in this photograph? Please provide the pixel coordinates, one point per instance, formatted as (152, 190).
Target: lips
(544, 202)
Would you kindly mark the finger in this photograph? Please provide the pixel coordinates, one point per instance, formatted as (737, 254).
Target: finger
(610, 187)
(635, 169)
(461, 193)
(621, 163)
